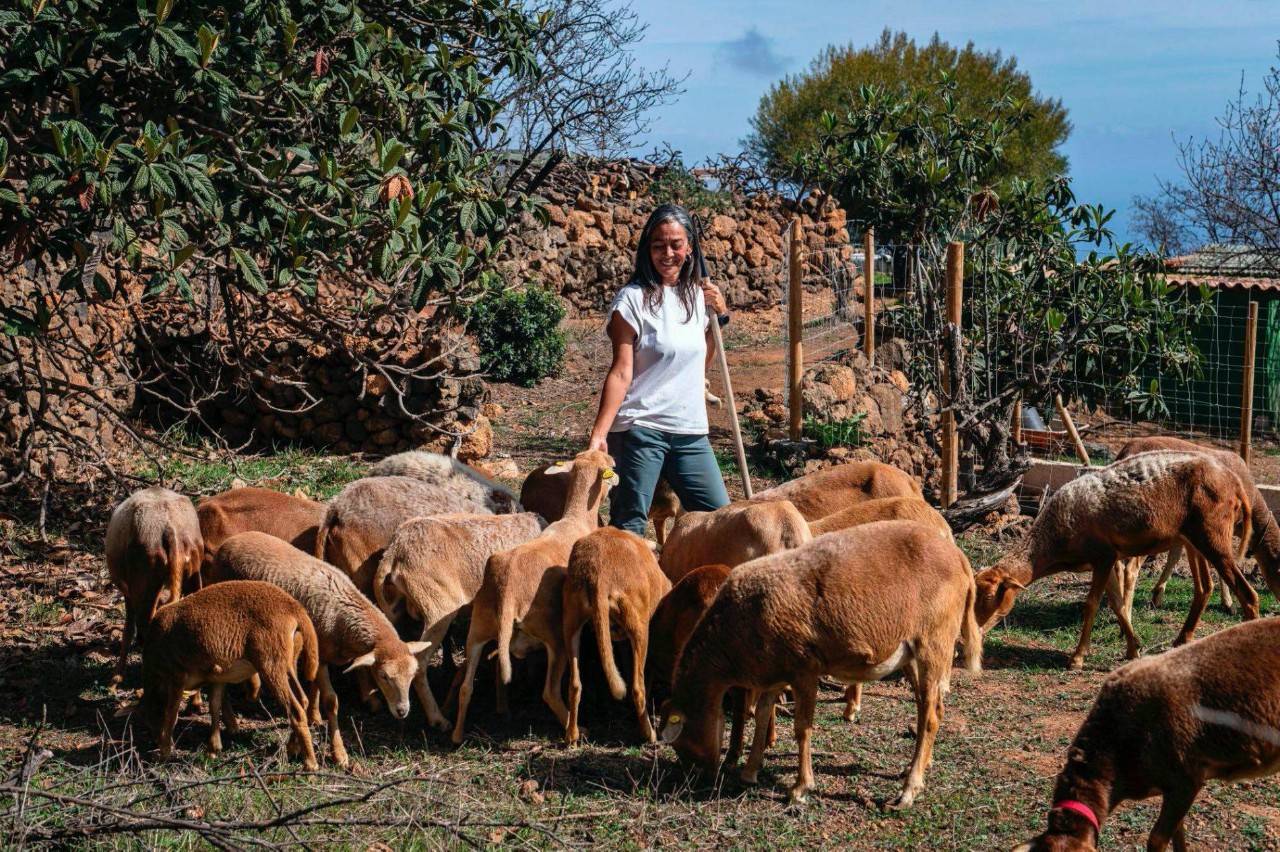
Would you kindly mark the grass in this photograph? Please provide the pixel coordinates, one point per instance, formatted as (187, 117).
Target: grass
(320, 476)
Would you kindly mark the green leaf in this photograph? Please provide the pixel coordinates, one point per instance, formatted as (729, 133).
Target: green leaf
(349, 119)
(467, 216)
(249, 270)
(391, 156)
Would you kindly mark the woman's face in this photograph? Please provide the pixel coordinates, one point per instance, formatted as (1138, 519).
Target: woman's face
(668, 249)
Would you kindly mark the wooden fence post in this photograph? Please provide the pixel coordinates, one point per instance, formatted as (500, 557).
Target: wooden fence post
(1065, 417)
(795, 327)
(1246, 392)
(950, 440)
(869, 293)
(1017, 420)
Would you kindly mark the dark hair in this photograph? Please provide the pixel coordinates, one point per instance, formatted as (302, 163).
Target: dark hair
(647, 277)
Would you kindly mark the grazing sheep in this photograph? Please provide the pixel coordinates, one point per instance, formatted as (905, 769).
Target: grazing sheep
(351, 630)
(612, 576)
(433, 568)
(674, 619)
(459, 478)
(1135, 507)
(286, 516)
(361, 520)
(544, 493)
(855, 605)
(828, 491)
(153, 544)
(229, 633)
(664, 507)
(1264, 534)
(1165, 725)
(732, 535)
(523, 588)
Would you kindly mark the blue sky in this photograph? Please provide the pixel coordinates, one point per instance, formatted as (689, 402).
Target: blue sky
(1133, 75)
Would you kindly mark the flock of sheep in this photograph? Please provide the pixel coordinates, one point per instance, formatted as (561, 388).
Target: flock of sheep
(845, 574)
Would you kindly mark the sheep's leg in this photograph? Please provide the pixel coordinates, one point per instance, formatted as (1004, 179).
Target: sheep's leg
(1218, 548)
(173, 704)
(1170, 562)
(557, 658)
(1130, 585)
(451, 700)
(764, 710)
(126, 639)
(217, 697)
(275, 675)
(928, 702)
(474, 650)
(1096, 587)
(737, 734)
(1228, 601)
(329, 698)
(1202, 585)
(637, 630)
(435, 718)
(806, 694)
(1116, 582)
(229, 720)
(1173, 809)
(852, 702)
(574, 636)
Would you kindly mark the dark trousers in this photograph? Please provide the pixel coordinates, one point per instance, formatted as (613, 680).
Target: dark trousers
(642, 455)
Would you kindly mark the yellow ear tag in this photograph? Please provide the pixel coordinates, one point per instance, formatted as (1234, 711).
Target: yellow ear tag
(607, 473)
(675, 718)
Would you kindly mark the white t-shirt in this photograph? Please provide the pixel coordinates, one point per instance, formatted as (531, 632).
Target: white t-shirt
(667, 378)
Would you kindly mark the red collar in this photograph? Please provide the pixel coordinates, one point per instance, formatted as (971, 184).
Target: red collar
(1079, 808)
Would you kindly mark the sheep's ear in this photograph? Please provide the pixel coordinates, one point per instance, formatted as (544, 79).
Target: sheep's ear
(359, 663)
(418, 648)
(671, 730)
(558, 467)
(1009, 582)
(1022, 847)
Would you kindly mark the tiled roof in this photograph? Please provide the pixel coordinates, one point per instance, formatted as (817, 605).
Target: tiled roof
(1225, 267)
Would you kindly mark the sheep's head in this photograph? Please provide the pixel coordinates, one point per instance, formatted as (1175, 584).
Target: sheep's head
(393, 670)
(591, 472)
(996, 591)
(694, 751)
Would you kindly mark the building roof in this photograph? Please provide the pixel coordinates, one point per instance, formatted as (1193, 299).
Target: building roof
(1226, 267)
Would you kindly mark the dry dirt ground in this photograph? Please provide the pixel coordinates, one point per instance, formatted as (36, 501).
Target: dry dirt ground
(73, 774)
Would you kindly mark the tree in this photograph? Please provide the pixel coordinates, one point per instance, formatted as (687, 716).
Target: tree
(315, 165)
(788, 120)
(1054, 304)
(1160, 223)
(1229, 192)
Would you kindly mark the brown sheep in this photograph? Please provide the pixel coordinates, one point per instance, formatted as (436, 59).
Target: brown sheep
(855, 605)
(1135, 507)
(285, 516)
(433, 568)
(351, 630)
(228, 633)
(361, 520)
(523, 588)
(153, 544)
(732, 535)
(1164, 726)
(1264, 533)
(544, 493)
(828, 491)
(612, 576)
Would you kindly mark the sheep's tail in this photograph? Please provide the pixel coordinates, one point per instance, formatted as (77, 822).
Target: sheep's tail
(617, 688)
(506, 627)
(970, 633)
(304, 678)
(385, 564)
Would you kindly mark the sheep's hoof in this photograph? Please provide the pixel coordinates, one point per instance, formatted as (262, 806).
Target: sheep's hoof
(1179, 640)
(1133, 653)
(797, 795)
(748, 776)
(1157, 598)
(442, 724)
(1075, 664)
(904, 801)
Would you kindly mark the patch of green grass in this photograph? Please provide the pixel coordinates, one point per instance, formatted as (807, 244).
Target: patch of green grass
(320, 476)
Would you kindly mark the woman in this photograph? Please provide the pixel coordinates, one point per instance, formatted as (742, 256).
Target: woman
(653, 414)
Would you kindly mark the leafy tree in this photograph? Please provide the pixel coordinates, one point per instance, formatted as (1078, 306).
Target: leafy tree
(518, 332)
(1053, 304)
(262, 142)
(787, 123)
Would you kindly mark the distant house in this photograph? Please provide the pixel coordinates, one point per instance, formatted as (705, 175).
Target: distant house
(1235, 276)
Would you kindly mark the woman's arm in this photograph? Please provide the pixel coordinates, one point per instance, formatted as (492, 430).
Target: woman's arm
(616, 381)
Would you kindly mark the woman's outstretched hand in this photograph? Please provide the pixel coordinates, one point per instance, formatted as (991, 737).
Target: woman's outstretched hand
(714, 298)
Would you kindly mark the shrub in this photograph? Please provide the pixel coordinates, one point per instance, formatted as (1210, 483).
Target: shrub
(519, 335)
(835, 433)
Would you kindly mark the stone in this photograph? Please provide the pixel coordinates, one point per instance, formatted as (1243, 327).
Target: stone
(723, 226)
(889, 400)
(603, 221)
(387, 437)
(871, 424)
(492, 410)
(376, 384)
(498, 468)
(477, 443)
(818, 400)
(755, 255)
(841, 379)
(899, 380)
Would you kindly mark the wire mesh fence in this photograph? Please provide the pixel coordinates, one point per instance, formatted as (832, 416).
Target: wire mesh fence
(1181, 374)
